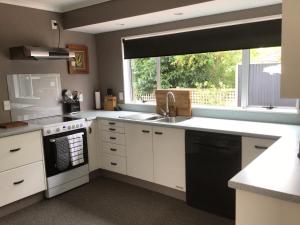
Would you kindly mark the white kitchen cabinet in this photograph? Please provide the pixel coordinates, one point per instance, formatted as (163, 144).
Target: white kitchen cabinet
(252, 208)
(169, 157)
(21, 182)
(113, 146)
(19, 150)
(114, 163)
(93, 145)
(290, 78)
(112, 137)
(139, 151)
(22, 170)
(253, 147)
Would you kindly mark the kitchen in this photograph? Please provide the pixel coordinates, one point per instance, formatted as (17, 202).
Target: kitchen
(129, 157)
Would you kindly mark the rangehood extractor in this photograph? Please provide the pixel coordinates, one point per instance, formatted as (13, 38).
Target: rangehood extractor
(35, 53)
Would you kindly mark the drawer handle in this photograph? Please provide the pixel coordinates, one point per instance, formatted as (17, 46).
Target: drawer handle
(113, 149)
(112, 129)
(179, 187)
(159, 133)
(112, 123)
(112, 138)
(145, 131)
(90, 130)
(15, 150)
(18, 182)
(260, 147)
(113, 164)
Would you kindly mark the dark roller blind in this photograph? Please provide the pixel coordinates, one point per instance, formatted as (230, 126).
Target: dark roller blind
(242, 36)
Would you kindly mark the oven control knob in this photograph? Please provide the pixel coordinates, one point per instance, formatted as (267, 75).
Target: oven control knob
(77, 125)
(69, 127)
(48, 131)
(81, 125)
(73, 126)
(57, 129)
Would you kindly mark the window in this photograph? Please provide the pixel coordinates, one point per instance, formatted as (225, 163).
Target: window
(264, 79)
(239, 78)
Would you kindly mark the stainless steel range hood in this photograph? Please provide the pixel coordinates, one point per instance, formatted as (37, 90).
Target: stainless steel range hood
(29, 52)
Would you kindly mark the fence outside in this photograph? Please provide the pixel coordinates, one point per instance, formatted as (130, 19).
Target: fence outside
(263, 90)
(207, 96)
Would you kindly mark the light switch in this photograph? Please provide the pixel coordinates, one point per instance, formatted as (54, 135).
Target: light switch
(6, 105)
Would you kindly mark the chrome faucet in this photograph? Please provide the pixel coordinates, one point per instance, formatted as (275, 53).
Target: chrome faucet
(167, 102)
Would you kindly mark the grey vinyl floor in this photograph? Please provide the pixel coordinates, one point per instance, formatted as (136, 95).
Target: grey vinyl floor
(108, 202)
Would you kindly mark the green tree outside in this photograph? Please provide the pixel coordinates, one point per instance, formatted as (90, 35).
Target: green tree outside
(213, 70)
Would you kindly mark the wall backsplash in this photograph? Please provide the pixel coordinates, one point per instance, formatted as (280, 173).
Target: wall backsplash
(25, 26)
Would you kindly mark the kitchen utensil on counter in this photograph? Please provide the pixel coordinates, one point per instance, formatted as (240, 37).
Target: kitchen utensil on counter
(13, 124)
(109, 92)
(70, 101)
(110, 103)
(183, 105)
(98, 100)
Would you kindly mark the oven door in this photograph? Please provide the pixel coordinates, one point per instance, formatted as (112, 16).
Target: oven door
(50, 151)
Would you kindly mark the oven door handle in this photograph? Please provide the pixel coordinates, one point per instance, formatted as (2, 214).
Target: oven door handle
(53, 140)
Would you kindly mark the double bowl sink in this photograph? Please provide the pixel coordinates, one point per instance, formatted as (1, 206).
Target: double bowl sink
(155, 118)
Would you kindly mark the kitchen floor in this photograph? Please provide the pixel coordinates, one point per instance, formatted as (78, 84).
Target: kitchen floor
(108, 202)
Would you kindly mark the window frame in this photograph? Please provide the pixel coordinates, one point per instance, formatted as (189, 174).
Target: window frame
(127, 73)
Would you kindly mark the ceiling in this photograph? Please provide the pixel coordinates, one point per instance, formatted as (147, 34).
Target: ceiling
(186, 12)
(54, 5)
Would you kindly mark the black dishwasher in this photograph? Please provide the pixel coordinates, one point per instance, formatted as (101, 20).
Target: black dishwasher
(211, 160)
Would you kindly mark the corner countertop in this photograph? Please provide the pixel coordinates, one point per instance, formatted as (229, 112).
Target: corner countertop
(275, 173)
(19, 130)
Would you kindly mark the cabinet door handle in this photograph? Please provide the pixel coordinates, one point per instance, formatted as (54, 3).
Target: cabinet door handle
(260, 147)
(158, 133)
(146, 131)
(18, 182)
(111, 123)
(113, 164)
(15, 150)
(112, 138)
(90, 130)
(112, 129)
(113, 149)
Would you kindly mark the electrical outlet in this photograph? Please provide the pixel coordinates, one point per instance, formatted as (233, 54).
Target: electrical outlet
(6, 105)
(80, 97)
(54, 24)
(121, 96)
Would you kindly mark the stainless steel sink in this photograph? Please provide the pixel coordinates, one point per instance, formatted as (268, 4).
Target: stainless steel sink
(155, 117)
(142, 116)
(176, 119)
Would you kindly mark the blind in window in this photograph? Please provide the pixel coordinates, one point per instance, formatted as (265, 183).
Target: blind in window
(242, 36)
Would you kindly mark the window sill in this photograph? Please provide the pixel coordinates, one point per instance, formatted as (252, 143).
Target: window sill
(248, 109)
(225, 108)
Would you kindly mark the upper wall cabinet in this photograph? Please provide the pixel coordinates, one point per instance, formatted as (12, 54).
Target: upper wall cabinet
(290, 81)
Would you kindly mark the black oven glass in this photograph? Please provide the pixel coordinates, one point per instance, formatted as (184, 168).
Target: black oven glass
(50, 152)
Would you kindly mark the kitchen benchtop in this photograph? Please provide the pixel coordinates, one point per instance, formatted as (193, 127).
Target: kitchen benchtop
(19, 130)
(275, 173)
(249, 129)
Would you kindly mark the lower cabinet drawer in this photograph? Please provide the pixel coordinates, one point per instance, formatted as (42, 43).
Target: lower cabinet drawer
(20, 150)
(21, 182)
(113, 138)
(253, 147)
(114, 163)
(114, 149)
(120, 130)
